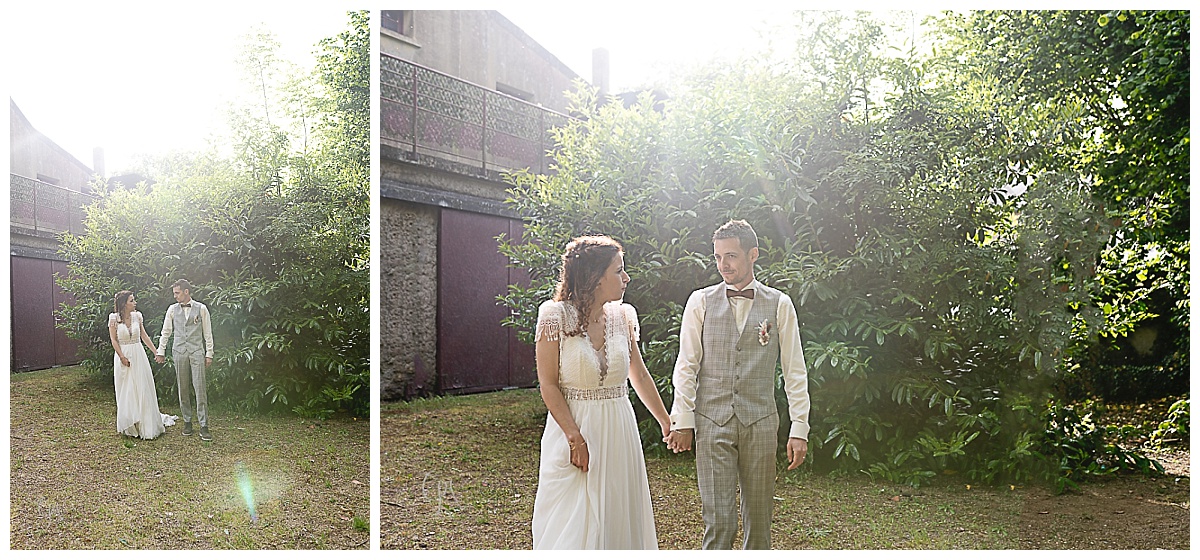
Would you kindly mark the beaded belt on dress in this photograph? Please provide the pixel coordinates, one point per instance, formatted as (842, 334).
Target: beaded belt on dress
(594, 394)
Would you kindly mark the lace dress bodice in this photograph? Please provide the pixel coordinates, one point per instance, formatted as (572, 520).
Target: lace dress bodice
(128, 334)
(584, 372)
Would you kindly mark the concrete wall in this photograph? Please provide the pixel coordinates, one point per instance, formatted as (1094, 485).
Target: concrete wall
(407, 297)
(440, 180)
(485, 48)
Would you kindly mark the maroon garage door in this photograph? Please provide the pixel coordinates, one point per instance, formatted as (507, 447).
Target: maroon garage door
(476, 353)
(36, 343)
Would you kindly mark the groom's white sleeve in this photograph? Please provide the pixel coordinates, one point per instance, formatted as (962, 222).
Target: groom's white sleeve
(206, 326)
(167, 330)
(795, 373)
(687, 366)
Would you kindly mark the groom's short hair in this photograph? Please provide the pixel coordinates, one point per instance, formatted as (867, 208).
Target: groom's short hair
(182, 285)
(740, 230)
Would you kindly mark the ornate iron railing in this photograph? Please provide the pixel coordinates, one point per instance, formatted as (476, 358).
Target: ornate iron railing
(429, 113)
(43, 208)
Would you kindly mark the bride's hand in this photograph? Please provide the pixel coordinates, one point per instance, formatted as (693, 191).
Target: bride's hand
(579, 454)
(124, 361)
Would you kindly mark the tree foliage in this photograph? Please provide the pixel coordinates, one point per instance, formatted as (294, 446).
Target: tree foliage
(938, 278)
(1111, 90)
(275, 238)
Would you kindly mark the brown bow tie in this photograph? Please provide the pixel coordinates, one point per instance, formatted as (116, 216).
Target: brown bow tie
(185, 305)
(748, 293)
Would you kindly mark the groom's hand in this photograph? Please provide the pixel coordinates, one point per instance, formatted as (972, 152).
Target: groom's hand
(797, 449)
(207, 362)
(680, 440)
(160, 359)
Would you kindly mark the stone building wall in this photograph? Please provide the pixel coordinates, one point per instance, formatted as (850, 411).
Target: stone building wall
(407, 297)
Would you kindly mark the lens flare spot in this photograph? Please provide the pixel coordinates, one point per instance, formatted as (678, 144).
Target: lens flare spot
(247, 489)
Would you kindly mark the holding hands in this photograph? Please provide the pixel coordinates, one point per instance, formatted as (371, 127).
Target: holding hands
(680, 440)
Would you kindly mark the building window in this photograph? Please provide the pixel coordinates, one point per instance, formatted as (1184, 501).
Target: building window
(47, 180)
(509, 90)
(400, 21)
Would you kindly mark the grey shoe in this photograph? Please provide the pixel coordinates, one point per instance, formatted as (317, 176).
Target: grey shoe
(187, 429)
(204, 435)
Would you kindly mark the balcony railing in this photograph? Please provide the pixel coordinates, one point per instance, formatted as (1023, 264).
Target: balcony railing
(428, 113)
(42, 208)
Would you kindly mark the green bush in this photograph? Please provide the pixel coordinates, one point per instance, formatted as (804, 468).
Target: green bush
(935, 298)
(1081, 448)
(1176, 427)
(276, 242)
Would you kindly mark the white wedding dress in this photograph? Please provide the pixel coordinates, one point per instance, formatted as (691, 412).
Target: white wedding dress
(137, 400)
(607, 507)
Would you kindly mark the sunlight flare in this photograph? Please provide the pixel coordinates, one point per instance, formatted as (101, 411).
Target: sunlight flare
(247, 489)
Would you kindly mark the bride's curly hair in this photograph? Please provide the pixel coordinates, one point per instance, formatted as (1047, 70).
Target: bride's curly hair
(583, 265)
(119, 304)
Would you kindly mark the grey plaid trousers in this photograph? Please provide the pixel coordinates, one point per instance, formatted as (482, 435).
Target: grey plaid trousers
(748, 451)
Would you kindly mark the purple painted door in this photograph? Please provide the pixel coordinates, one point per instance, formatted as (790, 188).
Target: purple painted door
(37, 343)
(32, 313)
(475, 352)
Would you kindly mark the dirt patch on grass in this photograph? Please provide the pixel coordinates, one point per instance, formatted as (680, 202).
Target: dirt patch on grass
(461, 473)
(78, 484)
(1119, 513)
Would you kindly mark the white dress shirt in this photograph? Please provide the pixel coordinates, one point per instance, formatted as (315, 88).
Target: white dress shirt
(691, 352)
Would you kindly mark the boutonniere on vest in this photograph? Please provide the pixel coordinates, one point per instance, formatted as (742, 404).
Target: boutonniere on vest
(764, 332)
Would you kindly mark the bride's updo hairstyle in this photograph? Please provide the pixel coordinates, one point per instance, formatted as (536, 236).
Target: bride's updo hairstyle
(583, 265)
(119, 302)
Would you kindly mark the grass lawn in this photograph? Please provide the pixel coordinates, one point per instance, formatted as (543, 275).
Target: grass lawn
(461, 473)
(76, 483)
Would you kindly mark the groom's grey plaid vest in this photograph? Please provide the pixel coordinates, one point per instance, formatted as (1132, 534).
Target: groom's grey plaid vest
(737, 373)
(188, 337)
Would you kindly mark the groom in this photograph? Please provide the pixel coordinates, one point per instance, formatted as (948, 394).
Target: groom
(190, 326)
(733, 335)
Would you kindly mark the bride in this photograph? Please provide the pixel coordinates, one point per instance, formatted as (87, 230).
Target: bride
(137, 400)
(592, 487)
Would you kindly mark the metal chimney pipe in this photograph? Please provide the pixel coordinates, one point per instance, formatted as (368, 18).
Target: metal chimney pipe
(98, 160)
(600, 71)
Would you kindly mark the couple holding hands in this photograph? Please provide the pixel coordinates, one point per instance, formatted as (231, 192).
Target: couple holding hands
(593, 491)
(189, 327)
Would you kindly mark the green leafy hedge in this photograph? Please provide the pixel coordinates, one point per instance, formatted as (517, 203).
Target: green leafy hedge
(938, 280)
